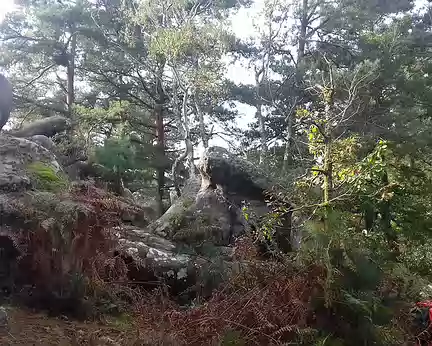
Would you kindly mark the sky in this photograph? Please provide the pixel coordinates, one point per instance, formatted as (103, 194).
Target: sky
(6, 6)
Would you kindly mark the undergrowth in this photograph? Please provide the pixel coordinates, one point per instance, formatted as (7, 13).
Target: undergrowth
(339, 290)
(71, 270)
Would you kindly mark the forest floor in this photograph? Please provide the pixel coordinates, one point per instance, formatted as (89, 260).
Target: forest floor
(27, 328)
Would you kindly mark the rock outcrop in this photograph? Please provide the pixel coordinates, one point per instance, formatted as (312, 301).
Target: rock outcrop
(46, 127)
(236, 176)
(210, 208)
(189, 247)
(16, 155)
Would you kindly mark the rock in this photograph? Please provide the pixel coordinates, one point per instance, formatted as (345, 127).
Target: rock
(82, 170)
(16, 154)
(176, 212)
(154, 259)
(235, 175)
(44, 141)
(4, 319)
(210, 209)
(46, 126)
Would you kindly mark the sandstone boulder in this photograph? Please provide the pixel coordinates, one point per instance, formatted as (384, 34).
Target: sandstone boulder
(49, 127)
(16, 155)
(210, 209)
(63, 217)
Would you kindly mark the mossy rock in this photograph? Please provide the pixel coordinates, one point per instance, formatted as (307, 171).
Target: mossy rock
(47, 178)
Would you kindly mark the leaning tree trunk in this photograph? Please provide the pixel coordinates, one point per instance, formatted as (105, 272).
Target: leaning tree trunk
(288, 156)
(263, 135)
(259, 78)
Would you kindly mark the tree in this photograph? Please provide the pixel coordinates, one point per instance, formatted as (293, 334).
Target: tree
(190, 39)
(41, 48)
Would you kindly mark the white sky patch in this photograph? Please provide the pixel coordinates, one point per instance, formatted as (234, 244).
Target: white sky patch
(6, 6)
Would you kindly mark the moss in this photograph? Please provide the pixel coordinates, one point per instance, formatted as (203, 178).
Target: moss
(188, 202)
(177, 221)
(123, 321)
(232, 338)
(45, 177)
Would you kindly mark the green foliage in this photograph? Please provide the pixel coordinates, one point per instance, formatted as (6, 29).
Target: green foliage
(122, 158)
(353, 288)
(47, 178)
(116, 155)
(265, 226)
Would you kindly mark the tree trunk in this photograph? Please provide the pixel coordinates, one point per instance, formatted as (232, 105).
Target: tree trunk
(328, 171)
(71, 73)
(303, 31)
(288, 157)
(183, 124)
(259, 78)
(160, 135)
(203, 134)
(263, 135)
(304, 22)
(385, 211)
(118, 186)
(328, 159)
(328, 182)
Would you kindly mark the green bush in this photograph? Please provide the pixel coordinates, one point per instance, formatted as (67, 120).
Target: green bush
(363, 291)
(45, 177)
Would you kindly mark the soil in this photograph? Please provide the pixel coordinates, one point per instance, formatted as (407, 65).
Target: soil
(26, 328)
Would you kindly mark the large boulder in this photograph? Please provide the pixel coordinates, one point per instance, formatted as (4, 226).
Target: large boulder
(16, 157)
(73, 226)
(46, 127)
(153, 260)
(236, 176)
(211, 207)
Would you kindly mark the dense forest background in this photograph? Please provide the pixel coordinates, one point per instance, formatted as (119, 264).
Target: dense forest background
(341, 120)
